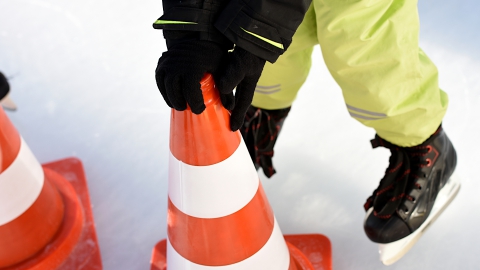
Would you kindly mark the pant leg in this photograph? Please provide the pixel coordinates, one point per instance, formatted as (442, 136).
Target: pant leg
(388, 83)
(280, 82)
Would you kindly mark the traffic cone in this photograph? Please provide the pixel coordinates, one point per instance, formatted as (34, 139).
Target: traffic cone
(218, 214)
(45, 221)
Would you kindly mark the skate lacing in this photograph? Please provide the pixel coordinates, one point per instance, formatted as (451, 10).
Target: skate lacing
(260, 131)
(400, 177)
(263, 146)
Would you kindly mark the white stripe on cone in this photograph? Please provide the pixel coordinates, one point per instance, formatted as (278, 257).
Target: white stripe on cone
(20, 184)
(213, 191)
(273, 255)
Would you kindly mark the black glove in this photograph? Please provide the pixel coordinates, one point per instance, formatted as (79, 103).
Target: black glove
(242, 70)
(180, 70)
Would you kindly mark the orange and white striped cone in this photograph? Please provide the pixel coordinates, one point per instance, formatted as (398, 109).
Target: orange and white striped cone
(218, 214)
(44, 225)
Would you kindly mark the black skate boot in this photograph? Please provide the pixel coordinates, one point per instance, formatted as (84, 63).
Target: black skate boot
(414, 191)
(260, 132)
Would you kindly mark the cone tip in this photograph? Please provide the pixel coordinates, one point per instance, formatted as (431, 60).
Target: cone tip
(209, 92)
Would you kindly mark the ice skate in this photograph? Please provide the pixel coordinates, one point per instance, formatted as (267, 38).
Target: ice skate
(7, 103)
(418, 185)
(5, 100)
(260, 131)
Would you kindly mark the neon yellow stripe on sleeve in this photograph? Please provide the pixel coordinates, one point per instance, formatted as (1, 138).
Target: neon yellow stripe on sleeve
(172, 22)
(276, 44)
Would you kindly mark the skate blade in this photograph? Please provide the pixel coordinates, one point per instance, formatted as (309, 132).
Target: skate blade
(392, 252)
(8, 103)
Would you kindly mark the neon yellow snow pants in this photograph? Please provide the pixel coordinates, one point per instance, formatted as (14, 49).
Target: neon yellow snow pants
(371, 49)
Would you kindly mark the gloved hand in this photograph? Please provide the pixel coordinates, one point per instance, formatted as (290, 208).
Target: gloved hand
(242, 70)
(180, 70)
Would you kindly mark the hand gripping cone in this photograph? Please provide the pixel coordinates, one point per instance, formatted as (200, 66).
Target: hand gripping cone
(218, 215)
(45, 221)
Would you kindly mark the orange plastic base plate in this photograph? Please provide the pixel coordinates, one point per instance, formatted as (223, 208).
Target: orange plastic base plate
(308, 250)
(159, 256)
(316, 247)
(75, 246)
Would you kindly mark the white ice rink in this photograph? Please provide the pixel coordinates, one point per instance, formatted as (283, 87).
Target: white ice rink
(82, 75)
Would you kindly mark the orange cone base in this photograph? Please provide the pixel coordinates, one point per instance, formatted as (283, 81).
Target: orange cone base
(75, 246)
(159, 256)
(315, 248)
(310, 251)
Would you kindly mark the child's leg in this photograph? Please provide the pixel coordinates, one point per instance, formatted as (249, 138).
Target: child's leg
(275, 92)
(280, 82)
(371, 49)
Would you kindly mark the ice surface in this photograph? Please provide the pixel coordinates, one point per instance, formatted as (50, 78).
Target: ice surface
(82, 75)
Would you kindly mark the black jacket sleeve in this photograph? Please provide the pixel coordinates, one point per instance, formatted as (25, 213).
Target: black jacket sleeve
(262, 27)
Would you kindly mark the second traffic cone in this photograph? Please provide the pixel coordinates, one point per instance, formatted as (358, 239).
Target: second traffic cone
(44, 225)
(218, 214)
